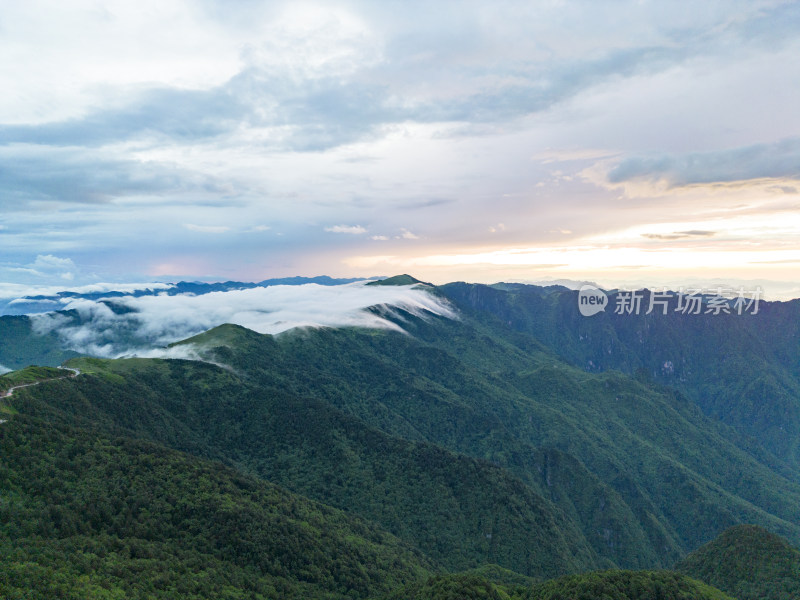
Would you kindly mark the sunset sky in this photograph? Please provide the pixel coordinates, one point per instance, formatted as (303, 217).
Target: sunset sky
(626, 143)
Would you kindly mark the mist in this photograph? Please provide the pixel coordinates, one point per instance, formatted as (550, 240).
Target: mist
(144, 326)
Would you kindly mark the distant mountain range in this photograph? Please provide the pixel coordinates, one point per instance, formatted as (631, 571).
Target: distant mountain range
(478, 452)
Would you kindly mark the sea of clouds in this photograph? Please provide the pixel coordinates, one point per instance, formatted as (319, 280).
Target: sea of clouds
(143, 326)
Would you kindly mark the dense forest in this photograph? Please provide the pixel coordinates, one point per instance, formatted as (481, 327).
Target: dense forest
(460, 458)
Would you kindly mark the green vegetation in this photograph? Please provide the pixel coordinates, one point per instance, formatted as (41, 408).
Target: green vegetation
(624, 585)
(599, 585)
(397, 280)
(86, 515)
(464, 586)
(21, 346)
(638, 468)
(498, 574)
(743, 370)
(30, 375)
(460, 511)
(749, 563)
(479, 446)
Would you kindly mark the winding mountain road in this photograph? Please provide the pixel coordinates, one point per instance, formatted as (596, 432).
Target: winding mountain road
(11, 390)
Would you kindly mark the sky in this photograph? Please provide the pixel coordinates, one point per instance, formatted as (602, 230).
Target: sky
(619, 142)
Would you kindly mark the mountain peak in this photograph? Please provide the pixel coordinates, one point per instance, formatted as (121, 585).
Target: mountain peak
(404, 279)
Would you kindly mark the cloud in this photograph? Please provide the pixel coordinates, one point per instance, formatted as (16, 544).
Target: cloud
(19, 291)
(207, 228)
(133, 325)
(172, 114)
(324, 77)
(407, 235)
(379, 238)
(780, 160)
(351, 229)
(29, 174)
(4, 369)
(46, 266)
(49, 262)
(679, 235)
(257, 114)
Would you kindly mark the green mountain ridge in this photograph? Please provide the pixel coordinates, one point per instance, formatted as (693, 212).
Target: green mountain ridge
(399, 280)
(465, 387)
(600, 585)
(460, 511)
(90, 515)
(749, 563)
(743, 370)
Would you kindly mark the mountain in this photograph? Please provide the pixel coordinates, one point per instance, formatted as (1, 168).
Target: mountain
(749, 563)
(90, 514)
(470, 436)
(460, 511)
(741, 369)
(22, 345)
(666, 477)
(624, 585)
(464, 586)
(619, 585)
(398, 280)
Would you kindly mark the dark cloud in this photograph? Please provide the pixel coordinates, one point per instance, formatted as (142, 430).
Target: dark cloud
(180, 115)
(330, 111)
(81, 177)
(779, 160)
(415, 205)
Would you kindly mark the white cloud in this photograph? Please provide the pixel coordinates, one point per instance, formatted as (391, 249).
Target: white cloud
(150, 322)
(18, 291)
(351, 229)
(46, 266)
(207, 228)
(49, 262)
(407, 235)
(381, 238)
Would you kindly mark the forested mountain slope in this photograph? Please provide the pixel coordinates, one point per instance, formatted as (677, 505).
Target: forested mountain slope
(461, 511)
(743, 369)
(473, 389)
(747, 562)
(87, 514)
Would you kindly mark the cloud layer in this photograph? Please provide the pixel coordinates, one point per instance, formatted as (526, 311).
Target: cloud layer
(780, 160)
(239, 137)
(144, 325)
